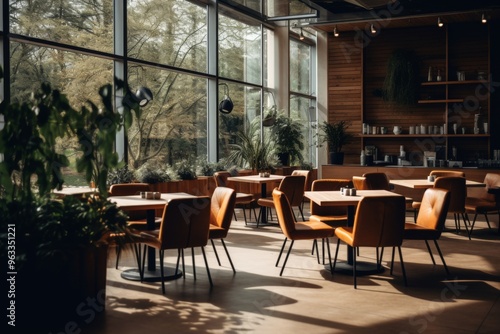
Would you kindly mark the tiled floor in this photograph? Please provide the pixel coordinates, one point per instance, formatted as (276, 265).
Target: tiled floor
(306, 299)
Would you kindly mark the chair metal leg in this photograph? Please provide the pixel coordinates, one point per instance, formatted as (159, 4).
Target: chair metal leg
(392, 261)
(336, 254)
(177, 263)
(194, 266)
(183, 264)
(430, 252)
(354, 267)
(442, 258)
(465, 224)
(162, 253)
(141, 272)
(302, 213)
(227, 253)
(402, 265)
(206, 265)
(286, 258)
(317, 252)
(329, 255)
(215, 251)
(281, 252)
(137, 252)
(313, 246)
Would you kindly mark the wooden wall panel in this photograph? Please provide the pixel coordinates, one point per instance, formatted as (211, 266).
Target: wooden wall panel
(357, 71)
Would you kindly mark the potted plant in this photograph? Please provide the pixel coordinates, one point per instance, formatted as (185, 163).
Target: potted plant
(60, 245)
(289, 139)
(336, 136)
(252, 151)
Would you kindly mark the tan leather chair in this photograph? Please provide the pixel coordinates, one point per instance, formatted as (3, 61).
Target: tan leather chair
(293, 187)
(458, 192)
(294, 230)
(439, 173)
(359, 182)
(331, 215)
(185, 224)
(485, 202)
(377, 181)
(243, 199)
(379, 222)
(137, 218)
(221, 212)
(307, 184)
(430, 220)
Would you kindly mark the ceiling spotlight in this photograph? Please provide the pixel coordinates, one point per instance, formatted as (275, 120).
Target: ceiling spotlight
(335, 32)
(483, 18)
(440, 23)
(301, 37)
(372, 29)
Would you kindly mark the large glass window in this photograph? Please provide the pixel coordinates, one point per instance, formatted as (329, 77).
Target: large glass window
(173, 126)
(240, 50)
(173, 33)
(88, 24)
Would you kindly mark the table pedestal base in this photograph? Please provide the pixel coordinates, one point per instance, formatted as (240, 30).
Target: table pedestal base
(152, 275)
(362, 268)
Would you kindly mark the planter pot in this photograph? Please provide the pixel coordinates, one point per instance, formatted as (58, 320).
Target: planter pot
(284, 158)
(68, 288)
(337, 158)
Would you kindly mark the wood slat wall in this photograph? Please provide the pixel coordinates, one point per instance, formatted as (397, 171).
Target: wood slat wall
(357, 68)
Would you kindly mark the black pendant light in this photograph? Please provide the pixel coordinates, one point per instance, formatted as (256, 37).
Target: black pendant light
(226, 105)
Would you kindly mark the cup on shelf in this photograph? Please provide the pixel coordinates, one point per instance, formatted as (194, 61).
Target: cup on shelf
(455, 128)
(485, 126)
(463, 131)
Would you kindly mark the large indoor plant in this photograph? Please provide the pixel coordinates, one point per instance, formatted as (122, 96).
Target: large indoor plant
(336, 136)
(60, 245)
(289, 139)
(253, 151)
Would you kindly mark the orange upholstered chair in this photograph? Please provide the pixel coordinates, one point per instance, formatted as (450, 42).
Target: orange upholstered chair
(243, 199)
(485, 202)
(221, 212)
(379, 222)
(307, 184)
(185, 224)
(440, 173)
(293, 187)
(137, 218)
(458, 192)
(430, 220)
(293, 230)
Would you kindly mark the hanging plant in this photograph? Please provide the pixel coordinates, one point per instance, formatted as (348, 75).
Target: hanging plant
(402, 82)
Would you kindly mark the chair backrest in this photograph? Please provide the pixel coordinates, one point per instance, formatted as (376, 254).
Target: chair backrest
(286, 219)
(307, 174)
(377, 181)
(126, 189)
(359, 182)
(439, 173)
(185, 223)
(433, 209)
(379, 221)
(221, 178)
(329, 185)
(458, 191)
(491, 180)
(222, 207)
(293, 187)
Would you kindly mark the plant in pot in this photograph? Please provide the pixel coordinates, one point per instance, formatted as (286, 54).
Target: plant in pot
(252, 151)
(336, 136)
(289, 139)
(57, 248)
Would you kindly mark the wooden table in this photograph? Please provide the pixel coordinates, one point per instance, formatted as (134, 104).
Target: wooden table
(335, 198)
(263, 181)
(424, 184)
(135, 202)
(74, 191)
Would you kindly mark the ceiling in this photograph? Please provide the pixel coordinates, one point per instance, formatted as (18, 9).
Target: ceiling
(356, 14)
